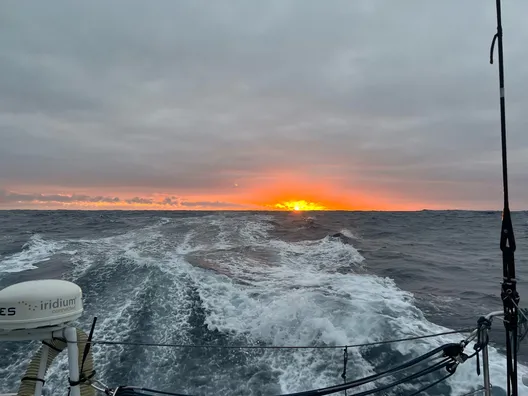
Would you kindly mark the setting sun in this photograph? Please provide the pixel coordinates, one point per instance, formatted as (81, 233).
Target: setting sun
(298, 206)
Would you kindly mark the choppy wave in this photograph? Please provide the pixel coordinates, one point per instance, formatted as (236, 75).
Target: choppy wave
(225, 279)
(36, 250)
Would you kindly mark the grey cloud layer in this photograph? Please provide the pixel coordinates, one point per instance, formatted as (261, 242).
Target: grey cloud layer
(195, 95)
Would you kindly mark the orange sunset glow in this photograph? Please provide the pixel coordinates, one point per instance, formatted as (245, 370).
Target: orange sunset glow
(294, 191)
(298, 206)
(282, 192)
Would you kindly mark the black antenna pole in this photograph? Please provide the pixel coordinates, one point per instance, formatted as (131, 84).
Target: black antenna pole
(509, 295)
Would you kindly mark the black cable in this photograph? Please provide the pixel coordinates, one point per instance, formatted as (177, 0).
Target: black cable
(513, 374)
(509, 295)
(438, 366)
(127, 392)
(82, 377)
(88, 343)
(508, 364)
(473, 392)
(362, 381)
(431, 385)
(161, 392)
(498, 37)
(345, 362)
(444, 363)
(523, 324)
(429, 370)
(156, 344)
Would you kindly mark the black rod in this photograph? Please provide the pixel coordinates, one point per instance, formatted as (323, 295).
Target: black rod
(509, 295)
(502, 109)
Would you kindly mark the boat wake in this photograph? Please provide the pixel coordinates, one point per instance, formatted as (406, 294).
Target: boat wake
(226, 280)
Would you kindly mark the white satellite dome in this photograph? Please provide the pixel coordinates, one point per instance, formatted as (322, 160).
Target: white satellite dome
(39, 303)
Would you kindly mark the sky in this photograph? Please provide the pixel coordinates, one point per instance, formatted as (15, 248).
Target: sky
(250, 104)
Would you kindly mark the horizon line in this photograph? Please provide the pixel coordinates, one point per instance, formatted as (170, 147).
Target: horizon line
(254, 210)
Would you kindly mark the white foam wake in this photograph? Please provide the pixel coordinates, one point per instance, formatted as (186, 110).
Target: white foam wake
(302, 301)
(34, 251)
(252, 288)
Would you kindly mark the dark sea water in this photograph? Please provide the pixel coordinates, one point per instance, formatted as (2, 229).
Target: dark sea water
(229, 278)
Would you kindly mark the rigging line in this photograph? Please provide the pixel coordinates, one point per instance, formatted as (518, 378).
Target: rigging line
(130, 390)
(345, 362)
(433, 384)
(524, 325)
(498, 37)
(417, 375)
(88, 345)
(362, 381)
(509, 294)
(452, 351)
(155, 344)
(521, 311)
(444, 363)
(473, 392)
(330, 390)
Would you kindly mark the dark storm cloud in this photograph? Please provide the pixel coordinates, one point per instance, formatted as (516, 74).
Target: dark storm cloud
(193, 95)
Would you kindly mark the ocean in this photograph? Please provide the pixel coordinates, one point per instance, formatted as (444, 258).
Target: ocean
(264, 278)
